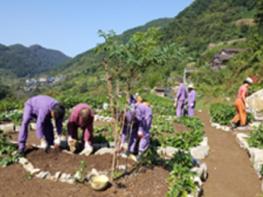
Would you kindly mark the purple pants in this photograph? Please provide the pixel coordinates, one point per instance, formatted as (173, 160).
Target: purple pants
(23, 133)
(144, 143)
(131, 130)
(191, 111)
(180, 108)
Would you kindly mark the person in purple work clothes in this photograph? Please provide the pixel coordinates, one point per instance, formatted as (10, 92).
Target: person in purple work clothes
(43, 109)
(181, 97)
(191, 100)
(130, 129)
(143, 114)
(137, 126)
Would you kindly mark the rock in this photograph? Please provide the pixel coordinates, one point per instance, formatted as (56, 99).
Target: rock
(23, 161)
(66, 178)
(122, 167)
(201, 171)
(255, 124)
(255, 104)
(8, 127)
(199, 152)
(204, 141)
(167, 152)
(197, 192)
(77, 176)
(216, 125)
(242, 140)
(71, 180)
(197, 181)
(57, 175)
(256, 157)
(204, 170)
(28, 167)
(42, 174)
(104, 151)
(51, 177)
(226, 128)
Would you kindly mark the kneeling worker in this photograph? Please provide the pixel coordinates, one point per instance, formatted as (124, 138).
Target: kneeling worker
(82, 116)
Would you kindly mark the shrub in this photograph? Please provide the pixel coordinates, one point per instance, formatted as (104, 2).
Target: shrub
(222, 113)
(256, 137)
(180, 180)
(8, 151)
(187, 139)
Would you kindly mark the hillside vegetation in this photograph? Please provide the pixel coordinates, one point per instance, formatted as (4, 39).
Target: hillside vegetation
(193, 38)
(28, 61)
(204, 23)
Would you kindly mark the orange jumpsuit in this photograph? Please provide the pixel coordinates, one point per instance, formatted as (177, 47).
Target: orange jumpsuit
(241, 115)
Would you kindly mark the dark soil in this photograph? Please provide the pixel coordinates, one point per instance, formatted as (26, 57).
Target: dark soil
(15, 182)
(31, 139)
(180, 128)
(55, 160)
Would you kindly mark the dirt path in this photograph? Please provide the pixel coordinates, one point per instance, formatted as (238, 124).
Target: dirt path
(230, 171)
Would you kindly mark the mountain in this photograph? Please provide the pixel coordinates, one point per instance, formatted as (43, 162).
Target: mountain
(27, 61)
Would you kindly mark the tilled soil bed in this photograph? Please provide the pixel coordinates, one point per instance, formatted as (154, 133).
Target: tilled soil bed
(55, 161)
(16, 182)
(31, 139)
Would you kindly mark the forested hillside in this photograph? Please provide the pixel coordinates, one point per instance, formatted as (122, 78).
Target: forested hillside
(28, 61)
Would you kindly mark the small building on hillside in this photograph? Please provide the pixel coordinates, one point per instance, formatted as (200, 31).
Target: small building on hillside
(223, 56)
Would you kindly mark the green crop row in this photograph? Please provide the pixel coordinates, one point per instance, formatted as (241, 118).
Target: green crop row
(224, 113)
(256, 137)
(8, 152)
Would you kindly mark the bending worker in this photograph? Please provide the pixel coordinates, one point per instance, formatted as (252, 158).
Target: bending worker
(240, 104)
(43, 109)
(82, 116)
(181, 97)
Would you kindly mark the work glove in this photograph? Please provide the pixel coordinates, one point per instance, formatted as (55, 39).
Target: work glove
(72, 144)
(87, 149)
(43, 143)
(57, 141)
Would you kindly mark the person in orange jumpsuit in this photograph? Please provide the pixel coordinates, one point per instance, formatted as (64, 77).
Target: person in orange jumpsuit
(240, 104)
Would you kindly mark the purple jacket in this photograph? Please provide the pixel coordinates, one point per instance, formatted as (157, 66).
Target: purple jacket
(143, 115)
(181, 93)
(41, 107)
(191, 98)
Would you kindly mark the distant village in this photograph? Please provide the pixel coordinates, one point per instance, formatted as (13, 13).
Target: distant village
(34, 83)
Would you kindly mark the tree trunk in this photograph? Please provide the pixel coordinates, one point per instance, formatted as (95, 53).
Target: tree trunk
(108, 78)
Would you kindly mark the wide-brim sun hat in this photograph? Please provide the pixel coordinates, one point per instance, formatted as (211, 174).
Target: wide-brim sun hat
(249, 80)
(191, 86)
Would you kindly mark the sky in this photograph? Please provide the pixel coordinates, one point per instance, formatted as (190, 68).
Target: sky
(71, 26)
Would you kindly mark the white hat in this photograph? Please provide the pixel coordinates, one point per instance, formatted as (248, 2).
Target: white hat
(191, 86)
(249, 80)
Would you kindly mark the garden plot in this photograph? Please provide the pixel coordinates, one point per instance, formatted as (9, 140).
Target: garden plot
(147, 183)
(155, 175)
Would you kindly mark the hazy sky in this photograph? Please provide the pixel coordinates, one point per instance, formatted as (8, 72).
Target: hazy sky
(71, 25)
